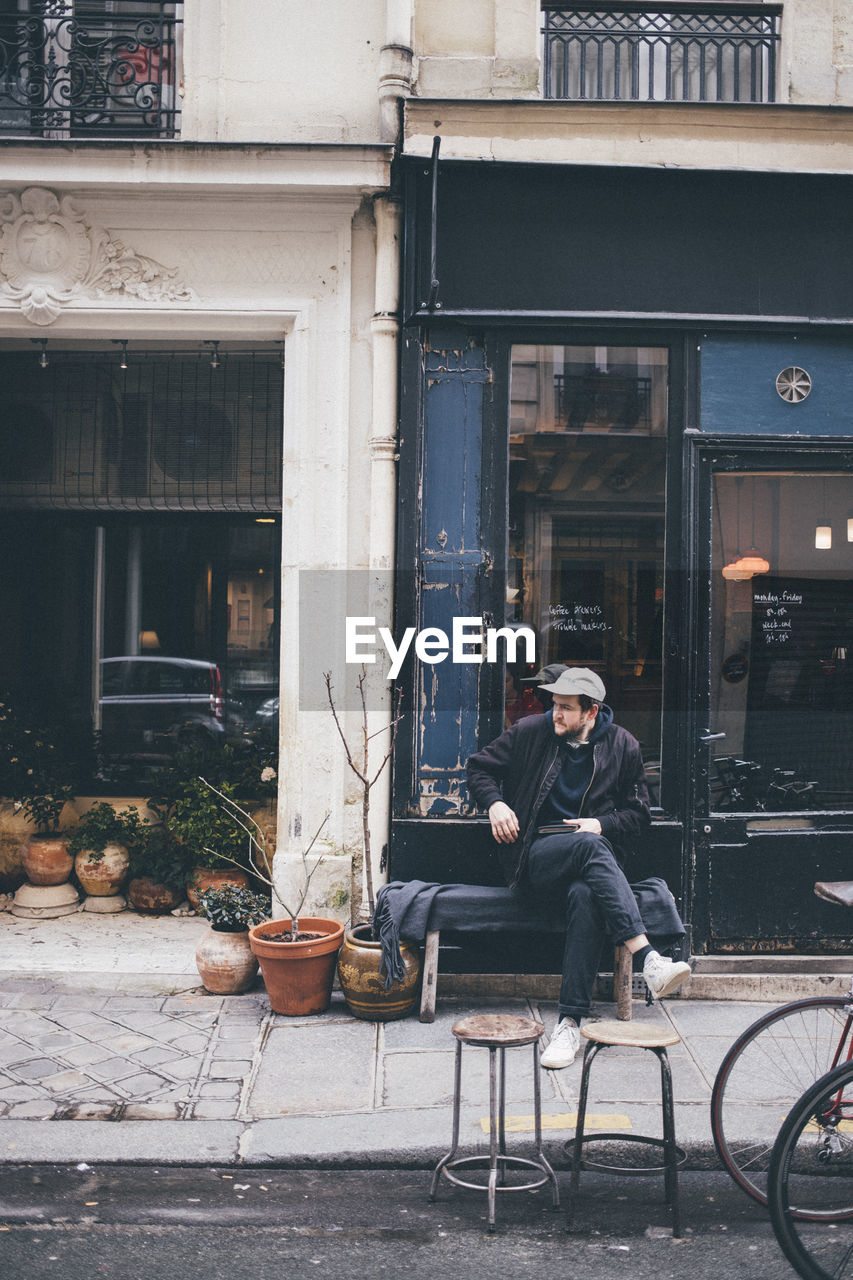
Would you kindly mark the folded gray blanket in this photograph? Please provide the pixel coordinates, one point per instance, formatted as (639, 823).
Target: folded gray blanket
(410, 909)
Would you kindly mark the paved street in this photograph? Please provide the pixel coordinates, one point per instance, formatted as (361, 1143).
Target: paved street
(222, 1224)
(142, 1117)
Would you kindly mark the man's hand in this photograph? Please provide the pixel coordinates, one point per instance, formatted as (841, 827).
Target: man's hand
(504, 822)
(587, 824)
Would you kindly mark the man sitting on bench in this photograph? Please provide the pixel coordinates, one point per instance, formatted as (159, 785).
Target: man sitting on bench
(567, 798)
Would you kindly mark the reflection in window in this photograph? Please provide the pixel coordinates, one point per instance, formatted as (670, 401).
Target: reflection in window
(190, 638)
(586, 507)
(141, 548)
(782, 631)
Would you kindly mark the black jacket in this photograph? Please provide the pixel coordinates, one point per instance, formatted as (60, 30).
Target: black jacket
(520, 767)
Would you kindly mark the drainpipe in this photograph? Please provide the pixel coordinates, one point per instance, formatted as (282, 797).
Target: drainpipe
(395, 66)
(395, 83)
(382, 444)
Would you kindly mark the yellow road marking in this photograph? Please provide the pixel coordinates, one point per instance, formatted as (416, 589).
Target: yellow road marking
(843, 1126)
(568, 1120)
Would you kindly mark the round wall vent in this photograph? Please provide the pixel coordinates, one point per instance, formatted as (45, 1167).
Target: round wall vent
(793, 384)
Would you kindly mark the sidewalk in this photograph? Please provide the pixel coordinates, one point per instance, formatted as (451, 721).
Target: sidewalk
(106, 1032)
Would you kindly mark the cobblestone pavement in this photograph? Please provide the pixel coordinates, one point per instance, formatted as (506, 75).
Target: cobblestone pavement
(115, 1057)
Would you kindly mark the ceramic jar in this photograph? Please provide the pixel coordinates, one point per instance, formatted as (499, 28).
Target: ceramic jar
(225, 962)
(46, 860)
(206, 878)
(101, 875)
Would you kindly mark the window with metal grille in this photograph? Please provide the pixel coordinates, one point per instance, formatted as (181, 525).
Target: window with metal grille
(90, 68)
(167, 433)
(662, 53)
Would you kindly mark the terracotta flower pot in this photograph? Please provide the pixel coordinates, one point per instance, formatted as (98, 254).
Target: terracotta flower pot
(101, 877)
(206, 878)
(225, 962)
(46, 859)
(363, 986)
(298, 975)
(152, 896)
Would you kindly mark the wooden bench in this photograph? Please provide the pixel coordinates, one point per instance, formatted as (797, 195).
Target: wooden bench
(501, 909)
(622, 970)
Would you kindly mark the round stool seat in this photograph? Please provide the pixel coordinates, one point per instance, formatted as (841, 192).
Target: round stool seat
(631, 1034)
(498, 1030)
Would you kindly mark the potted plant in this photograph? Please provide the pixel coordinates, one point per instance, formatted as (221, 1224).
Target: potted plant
(297, 954)
(158, 872)
(36, 774)
(205, 834)
(371, 994)
(100, 846)
(226, 963)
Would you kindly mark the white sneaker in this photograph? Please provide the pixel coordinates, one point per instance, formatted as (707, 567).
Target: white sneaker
(663, 976)
(563, 1047)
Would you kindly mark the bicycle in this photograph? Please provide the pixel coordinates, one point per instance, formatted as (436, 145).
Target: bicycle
(785, 1051)
(810, 1181)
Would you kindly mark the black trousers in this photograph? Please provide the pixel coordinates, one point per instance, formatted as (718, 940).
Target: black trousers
(599, 905)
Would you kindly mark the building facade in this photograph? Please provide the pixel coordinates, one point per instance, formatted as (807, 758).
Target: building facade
(198, 298)
(626, 426)
(533, 315)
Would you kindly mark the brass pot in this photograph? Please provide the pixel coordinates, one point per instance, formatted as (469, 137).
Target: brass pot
(363, 985)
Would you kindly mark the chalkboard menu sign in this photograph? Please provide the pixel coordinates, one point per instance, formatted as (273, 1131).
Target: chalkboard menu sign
(797, 625)
(775, 614)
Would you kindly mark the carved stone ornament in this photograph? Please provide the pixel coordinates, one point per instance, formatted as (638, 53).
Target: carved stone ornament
(51, 255)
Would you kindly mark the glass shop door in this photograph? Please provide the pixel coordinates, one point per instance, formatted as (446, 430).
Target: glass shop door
(773, 764)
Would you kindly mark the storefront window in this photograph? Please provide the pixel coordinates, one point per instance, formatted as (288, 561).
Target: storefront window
(586, 512)
(782, 641)
(139, 501)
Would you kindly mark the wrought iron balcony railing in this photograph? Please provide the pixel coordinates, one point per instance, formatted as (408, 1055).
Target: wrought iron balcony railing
(79, 68)
(662, 52)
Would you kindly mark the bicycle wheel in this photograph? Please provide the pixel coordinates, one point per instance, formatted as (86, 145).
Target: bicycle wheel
(810, 1183)
(763, 1074)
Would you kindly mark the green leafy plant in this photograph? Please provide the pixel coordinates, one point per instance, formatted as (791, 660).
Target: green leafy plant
(231, 908)
(36, 772)
(159, 858)
(101, 826)
(200, 824)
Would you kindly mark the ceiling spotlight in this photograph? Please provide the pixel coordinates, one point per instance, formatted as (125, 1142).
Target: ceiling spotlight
(43, 360)
(214, 358)
(122, 342)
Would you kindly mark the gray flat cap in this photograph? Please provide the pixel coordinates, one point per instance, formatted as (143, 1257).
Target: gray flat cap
(578, 680)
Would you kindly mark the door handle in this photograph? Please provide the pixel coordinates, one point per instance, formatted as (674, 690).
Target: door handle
(707, 736)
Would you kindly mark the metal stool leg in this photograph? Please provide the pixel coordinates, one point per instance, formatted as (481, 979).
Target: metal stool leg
(493, 1136)
(537, 1125)
(589, 1054)
(457, 1093)
(670, 1153)
(502, 1113)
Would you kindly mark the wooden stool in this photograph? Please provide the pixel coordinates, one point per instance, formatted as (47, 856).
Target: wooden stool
(497, 1033)
(603, 1035)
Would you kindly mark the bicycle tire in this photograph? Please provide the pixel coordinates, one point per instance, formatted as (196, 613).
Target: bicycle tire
(810, 1194)
(774, 1061)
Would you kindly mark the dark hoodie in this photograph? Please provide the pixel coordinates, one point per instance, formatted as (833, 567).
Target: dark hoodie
(565, 799)
(522, 766)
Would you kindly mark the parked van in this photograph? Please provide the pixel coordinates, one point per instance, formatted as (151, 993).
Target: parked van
(151, 705)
